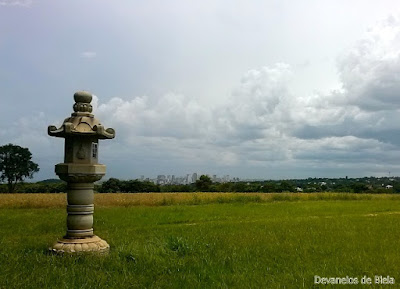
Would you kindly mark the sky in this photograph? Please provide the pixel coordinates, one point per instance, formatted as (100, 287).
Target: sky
(252, 89)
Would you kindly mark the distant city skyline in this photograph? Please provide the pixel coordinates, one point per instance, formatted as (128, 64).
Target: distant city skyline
(188, 178)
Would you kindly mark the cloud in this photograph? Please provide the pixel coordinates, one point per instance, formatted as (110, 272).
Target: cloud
(20, 3)
(264, 123)
(88, 54)
(31, 132)
(370, 71)
(173, 115)
(368, 104)
(250, 130)
(178, 125)
(263, 129)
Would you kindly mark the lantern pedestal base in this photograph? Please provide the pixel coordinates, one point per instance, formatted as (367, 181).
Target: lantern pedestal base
(92, 244)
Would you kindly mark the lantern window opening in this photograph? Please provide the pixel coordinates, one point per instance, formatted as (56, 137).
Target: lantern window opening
(94, 150)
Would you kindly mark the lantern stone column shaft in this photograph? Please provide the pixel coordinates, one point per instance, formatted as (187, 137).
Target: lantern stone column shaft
(80, 210)
(80, 170)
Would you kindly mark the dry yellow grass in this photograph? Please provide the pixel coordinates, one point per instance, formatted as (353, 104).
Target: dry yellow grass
(162, 199)
(112, 199)
(32, 200)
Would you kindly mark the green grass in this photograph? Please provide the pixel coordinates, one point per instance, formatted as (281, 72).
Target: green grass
(238, 244)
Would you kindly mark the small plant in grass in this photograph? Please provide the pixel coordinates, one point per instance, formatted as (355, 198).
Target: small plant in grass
(178, 245)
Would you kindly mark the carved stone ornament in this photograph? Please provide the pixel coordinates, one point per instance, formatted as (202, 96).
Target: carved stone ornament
(76, 246)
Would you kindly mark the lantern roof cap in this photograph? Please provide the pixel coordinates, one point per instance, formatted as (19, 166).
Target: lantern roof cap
(83, 96)
(82, 122)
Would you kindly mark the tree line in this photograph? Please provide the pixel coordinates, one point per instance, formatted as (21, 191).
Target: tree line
(204, 184)
(16, 165)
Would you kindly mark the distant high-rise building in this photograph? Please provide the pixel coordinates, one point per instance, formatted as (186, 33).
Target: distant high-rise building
(194, 177)
(224, 179)
(161, 179)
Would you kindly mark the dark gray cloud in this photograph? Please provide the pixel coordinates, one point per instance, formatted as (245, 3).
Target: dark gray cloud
(368, 104)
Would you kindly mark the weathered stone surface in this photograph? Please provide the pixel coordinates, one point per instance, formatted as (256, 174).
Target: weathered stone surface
(82, 121)
(83, 96)
(80, 173)
(93, 244)
(80, 169)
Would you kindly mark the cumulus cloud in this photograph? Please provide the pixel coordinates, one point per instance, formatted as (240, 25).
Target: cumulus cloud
(263, 122)
(248, 128)
(263, 129)
(370, 71)
(173, 115)
(368, 104)
(258, 104)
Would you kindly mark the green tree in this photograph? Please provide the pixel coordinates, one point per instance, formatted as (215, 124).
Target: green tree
(204, 183)
(268, 187)
(16, 165)
(112, 185)
(286, 186)
(359, 188)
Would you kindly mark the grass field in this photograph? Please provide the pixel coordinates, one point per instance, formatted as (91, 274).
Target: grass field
(205, 241)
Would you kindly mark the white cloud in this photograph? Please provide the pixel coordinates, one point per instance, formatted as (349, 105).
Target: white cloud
(262, 126)
(173, 115)
(258, 106)
(370, 71)
(368, 104)
(263, 122)
(21, 3)
(88, 54)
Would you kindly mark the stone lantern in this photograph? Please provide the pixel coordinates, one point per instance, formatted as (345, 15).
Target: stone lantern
(80, 170)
